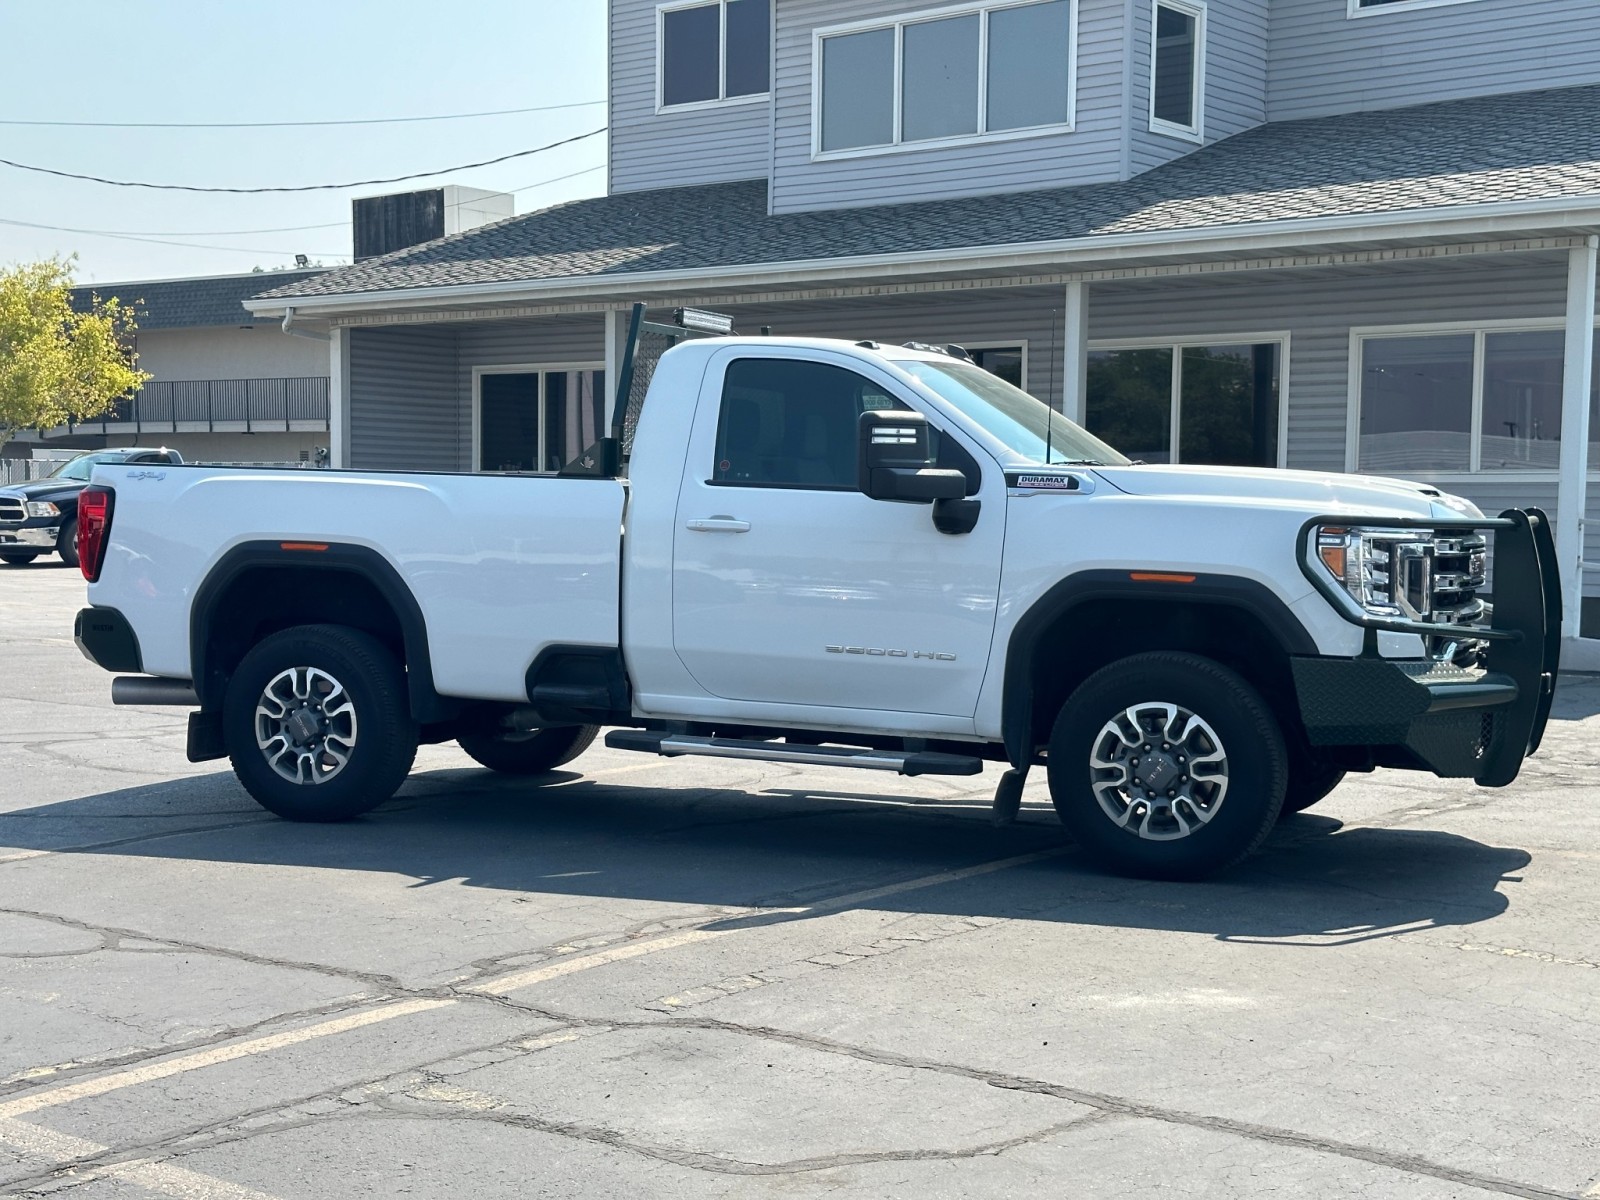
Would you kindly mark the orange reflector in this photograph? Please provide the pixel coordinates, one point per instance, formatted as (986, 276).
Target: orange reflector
(1159, 577)
(311, 546)
(1333, 558)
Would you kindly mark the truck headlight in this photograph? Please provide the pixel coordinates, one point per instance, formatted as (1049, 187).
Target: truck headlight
(1387, 572)
(42, 508)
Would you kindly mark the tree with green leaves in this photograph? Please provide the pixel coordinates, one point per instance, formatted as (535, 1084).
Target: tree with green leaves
(57, 364)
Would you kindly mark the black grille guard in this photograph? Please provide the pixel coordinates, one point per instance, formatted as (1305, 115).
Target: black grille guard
(1523, 633)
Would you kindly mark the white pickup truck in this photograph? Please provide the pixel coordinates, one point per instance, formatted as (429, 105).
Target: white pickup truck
(853, 554)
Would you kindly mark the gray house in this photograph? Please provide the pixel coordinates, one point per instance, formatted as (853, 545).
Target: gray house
(1346, 235)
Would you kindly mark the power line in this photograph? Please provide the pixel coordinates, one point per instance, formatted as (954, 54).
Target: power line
(132, 237)
(151, 234)
(503, 112)
(309, 187)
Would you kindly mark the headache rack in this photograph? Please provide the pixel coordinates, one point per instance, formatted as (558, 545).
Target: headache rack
(647, 342)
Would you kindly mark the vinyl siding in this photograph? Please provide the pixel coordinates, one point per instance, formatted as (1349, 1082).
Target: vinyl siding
(1318, 310)
(1001, 316)
(1323, 61)
(1092, 153)
(404, 402)
(673, 149)
(1235, 79)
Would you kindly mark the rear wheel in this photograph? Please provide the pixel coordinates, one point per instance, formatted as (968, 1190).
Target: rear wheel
(317, 723)
(1167, 766)
(67, 543)
(17, 560)
(527, 751)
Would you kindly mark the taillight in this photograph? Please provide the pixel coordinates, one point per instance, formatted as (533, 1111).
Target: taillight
(94, 529)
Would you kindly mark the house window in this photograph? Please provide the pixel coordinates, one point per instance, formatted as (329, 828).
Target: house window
(1177, 67)
(1359, 8)
(988, 70)
(535, 419)
(1213, 403)
(1008, 362)
(1463, 401)
(710, 52)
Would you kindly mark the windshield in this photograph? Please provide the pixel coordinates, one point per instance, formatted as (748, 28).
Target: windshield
(79, 469)
(1026, 426)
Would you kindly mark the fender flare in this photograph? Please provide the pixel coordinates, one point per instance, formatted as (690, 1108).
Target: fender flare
(1220, 591)
(362, 561)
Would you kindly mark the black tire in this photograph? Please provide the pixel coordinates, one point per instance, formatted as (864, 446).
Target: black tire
(1241, 814)
(381, 735)
(17, 560)
(533, 752)
(1309, 782)
(67, 543)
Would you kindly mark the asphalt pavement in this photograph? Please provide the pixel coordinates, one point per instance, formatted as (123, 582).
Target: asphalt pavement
(649, 977)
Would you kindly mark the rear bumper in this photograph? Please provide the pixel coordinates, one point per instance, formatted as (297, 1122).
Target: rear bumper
(107, 640)
(1461, 724)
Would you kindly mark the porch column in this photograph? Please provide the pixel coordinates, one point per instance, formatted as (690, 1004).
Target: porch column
(1572, 492)
(613, 363)
(1075, 359)
(338, 397)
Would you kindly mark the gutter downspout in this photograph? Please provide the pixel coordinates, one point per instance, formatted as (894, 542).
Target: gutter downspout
(288, 327)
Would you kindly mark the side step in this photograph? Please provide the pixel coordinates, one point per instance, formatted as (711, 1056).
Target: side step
(905, 762)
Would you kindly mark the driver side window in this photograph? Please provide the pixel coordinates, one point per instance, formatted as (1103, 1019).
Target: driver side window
(792, 424)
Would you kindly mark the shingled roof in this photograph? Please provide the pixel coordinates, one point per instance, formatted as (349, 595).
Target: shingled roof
(192, 303)
(1529, 146)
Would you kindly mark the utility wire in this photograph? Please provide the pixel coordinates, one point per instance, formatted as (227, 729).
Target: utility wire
(131, 237)
(504, 112)
(308, 187)
(154, 234)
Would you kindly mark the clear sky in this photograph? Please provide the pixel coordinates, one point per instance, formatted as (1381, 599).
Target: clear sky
(281, 60)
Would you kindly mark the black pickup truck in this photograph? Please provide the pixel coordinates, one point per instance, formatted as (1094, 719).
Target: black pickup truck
(42, 517)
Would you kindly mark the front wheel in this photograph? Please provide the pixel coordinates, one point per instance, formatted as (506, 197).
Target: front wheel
(67, 543)
(1167, 766)
(317, 723)
(527, 751)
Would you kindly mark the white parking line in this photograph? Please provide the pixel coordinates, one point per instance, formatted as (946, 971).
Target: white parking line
(157, 1177)
(99, 1086)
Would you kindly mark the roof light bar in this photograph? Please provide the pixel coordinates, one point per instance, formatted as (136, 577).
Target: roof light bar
(702, 321)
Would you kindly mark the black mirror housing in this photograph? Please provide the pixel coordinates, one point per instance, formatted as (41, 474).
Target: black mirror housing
(893, 461)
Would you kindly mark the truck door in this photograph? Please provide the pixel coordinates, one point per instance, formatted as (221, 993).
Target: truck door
(790, 586)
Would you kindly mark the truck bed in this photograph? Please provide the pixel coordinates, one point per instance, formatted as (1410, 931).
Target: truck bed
(543, 551)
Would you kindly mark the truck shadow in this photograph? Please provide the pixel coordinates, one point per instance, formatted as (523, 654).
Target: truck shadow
(1316, 883)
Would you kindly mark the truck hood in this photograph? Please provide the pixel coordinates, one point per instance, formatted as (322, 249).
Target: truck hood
(44, 489)
(1330, 493)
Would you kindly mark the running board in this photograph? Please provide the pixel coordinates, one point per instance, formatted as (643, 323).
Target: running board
(904, 762)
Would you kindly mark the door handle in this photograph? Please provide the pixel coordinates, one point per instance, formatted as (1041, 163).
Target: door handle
(719, 525)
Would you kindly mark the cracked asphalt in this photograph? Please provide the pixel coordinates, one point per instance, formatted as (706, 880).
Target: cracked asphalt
(671, 978)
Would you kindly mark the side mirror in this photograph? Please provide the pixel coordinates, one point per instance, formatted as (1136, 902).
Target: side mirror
(893, 461)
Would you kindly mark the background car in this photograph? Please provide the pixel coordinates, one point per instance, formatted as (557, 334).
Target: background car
(42, 517)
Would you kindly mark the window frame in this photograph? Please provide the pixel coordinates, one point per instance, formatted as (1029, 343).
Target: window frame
(723, 100)
(897, 24)
(1354, 8)
(539, 369)
(1481, 330)
(1196, 132)
(1178, 345)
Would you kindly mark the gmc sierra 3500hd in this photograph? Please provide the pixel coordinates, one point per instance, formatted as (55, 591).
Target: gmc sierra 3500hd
(826, 552)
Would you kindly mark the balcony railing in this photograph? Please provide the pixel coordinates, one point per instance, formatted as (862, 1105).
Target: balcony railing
(212, 405)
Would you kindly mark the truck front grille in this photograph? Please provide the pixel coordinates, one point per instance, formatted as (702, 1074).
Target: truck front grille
(12, 511)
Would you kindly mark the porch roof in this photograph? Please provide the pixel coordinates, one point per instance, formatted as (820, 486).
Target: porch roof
(1533, 153)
